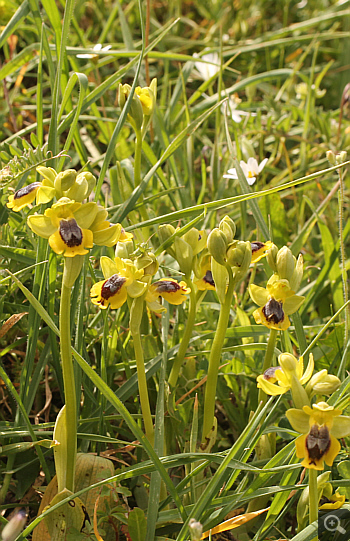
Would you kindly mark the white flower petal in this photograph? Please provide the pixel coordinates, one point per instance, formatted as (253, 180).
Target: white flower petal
(262, 164)
(251, 180)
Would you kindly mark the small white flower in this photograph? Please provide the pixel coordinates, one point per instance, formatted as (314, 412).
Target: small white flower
(232, 110)
(207, 71)
(98, 48)
(251, 170)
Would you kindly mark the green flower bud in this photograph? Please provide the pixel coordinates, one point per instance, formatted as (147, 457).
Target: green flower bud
(228, 227)
(90, 180)
(297, 274)
(148, 262)
(271, 257)
(288, 362)
(124, 249)
(165, 232)
(65, 180)
(217, 245)
(220, 277)
(196, 239)
(323, 383)
(135, 115)
(239, 254)
(183, 255)
(285, 262)
(78, 191)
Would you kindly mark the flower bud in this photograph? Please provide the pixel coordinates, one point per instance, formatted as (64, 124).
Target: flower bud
(90, 181)
(48, 173)
(217, 245)
(196, 529)
(228, 227)
(148, 262)
(165, 232)
(239, 254)
(340, 157)
(135, 114)
(14, 526)
(183, 255)
(78, 191)
(285, 263)
(124, 249)
(288, 362)
(65, 180)
(297, 274)
(271, 257)
(330, 157)
(196, 239)
(323, 383)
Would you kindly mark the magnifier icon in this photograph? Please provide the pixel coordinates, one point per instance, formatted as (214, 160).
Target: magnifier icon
(332, 524)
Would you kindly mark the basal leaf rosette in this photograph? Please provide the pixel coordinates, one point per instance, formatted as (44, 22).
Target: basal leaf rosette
(276, 302)
(320, 427)
(122, 278)
(72, 228)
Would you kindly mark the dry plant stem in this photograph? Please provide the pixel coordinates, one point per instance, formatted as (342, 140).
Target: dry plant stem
(313, 497)
(69, 385)
(268, 361)
(174, 374)
(215, 356)
(142, 382)
(342, 254)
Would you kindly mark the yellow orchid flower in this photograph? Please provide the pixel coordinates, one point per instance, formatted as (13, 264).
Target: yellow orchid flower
(276, 303)
(205, 276)
(172, 291)
(260, 249)
(320, 426)
(288, 375)
(122, 278)
(72, 228)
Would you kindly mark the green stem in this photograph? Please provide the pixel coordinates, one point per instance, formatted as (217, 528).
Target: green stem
(215, 356)
(174, 374)
(137, 159)
(268, 361)
(342, 255)
(143, 391)
(69, 386)
(313, 497)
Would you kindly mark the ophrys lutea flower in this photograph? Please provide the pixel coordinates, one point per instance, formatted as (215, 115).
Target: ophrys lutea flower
(276, 303)
(69, 183)
(260, 249)
(172, 291)
(289, 375)
(122, 278)
(320, 426)
(73, 228)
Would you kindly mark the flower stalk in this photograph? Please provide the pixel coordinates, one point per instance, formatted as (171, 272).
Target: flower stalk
(215, 355)
(174, 374)
(313, 497)
(268, 361)
(135, 321)
(69, 385)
